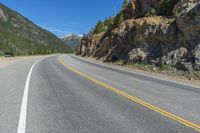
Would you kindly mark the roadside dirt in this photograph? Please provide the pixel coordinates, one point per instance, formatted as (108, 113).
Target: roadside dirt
(157, 74)
(4, 62)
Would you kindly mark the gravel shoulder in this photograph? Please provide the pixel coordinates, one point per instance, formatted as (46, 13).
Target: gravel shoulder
(4, 62)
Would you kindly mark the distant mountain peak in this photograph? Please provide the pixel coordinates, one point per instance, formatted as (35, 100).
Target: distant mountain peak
(71, 34)
(72, 40)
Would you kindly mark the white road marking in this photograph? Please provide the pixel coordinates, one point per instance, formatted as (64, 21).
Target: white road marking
(23, 112)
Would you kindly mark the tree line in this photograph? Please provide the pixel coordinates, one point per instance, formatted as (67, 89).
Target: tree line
(108, 23)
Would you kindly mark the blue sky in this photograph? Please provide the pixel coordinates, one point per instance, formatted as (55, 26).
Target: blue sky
(65, 16)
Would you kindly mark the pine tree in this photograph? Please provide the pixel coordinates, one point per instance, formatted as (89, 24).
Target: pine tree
(119, 19)
(125, 3)
(108, 22)
(99, 27)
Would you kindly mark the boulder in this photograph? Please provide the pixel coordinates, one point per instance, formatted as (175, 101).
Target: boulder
(137, 55)
(173, 57)
(197, 57)
(186, 66)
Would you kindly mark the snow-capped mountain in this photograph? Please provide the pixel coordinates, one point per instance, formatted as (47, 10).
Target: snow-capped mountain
(72, 40)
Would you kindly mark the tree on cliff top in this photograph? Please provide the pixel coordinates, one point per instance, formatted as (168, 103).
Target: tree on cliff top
(119, 19)
(125, 3)
(109, 22)
(99, 27)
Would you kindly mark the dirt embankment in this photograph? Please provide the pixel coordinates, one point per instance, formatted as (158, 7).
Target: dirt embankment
(8, 61)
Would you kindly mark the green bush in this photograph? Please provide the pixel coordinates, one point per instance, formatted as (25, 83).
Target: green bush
(125, 3)
(1, 53)
(151, 13)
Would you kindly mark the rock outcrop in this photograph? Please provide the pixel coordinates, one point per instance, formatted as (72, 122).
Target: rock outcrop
(155, 36)
(153, 32)
(197, 57)
(3, 16)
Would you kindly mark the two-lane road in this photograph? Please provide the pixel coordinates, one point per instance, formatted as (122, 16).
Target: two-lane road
(66, 94)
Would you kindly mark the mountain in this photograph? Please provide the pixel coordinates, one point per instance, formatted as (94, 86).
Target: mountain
(22, 37)
(151, 32)
(72, 40)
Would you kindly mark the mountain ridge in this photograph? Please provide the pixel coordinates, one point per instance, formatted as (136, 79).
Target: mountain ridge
(29, 38)
(68, 35)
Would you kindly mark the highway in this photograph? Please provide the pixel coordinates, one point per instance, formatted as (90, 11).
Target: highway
(68, 94)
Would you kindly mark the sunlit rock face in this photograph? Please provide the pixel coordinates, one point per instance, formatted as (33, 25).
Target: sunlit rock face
(154, 31)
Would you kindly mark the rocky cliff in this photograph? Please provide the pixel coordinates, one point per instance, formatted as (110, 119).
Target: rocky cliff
(153, 32)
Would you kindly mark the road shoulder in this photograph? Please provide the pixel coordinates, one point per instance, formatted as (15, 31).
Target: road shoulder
(172, 78)
(4, 62)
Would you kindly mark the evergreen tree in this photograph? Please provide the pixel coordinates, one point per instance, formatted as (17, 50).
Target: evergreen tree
(99, 27)
(125, 3)
(119, 19)
(108, 22)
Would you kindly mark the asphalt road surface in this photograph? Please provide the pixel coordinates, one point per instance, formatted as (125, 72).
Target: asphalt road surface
(67, 94)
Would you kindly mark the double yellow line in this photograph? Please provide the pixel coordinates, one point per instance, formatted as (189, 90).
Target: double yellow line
(136, 100)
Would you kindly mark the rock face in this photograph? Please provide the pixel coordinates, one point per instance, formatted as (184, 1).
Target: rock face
(155, 36)
(88, 44)
(175, 56)
(189, 24)
(197, 57)
(160, 32)
(137, 55)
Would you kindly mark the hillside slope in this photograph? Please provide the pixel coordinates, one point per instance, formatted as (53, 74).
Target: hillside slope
(151, 32)
(22, 37)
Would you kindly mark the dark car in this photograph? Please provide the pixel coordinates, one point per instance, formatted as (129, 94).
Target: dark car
(9, 54)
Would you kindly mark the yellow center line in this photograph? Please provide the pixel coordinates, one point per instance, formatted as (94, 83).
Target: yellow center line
(136, 100)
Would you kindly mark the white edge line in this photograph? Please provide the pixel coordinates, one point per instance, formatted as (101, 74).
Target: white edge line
(23, 111)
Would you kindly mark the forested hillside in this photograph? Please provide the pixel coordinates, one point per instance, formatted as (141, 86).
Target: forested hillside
(22, 37)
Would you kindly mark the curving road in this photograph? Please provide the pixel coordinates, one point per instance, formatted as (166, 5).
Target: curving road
(68, 94)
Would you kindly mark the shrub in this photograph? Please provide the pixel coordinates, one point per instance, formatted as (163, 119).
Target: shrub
(151, 13)
(1, 53)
